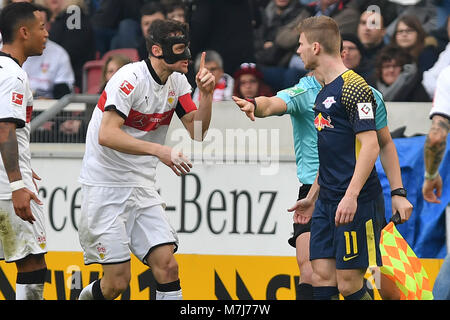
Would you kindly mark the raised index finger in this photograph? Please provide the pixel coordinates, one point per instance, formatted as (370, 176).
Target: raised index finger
(202, 61)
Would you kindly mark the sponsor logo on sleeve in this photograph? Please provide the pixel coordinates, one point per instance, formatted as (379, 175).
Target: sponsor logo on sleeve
(365, 110)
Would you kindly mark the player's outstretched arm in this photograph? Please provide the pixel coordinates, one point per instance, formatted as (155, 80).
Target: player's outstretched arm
(9, 149)
(391, 166)
(261, 107)
(110, 135)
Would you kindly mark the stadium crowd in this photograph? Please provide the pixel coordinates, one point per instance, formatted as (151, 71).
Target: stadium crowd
(398, 46)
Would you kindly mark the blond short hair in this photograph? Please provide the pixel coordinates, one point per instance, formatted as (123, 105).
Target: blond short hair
(325, 31)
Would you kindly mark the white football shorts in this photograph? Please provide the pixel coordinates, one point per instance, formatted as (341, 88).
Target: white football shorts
(115, 221)
(19, 238)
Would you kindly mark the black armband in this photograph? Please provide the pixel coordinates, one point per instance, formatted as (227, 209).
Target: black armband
(399, 192)
(252, 100)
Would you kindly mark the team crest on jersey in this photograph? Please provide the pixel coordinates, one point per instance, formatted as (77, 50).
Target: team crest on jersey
(126, 87)
(101, 250)
(171, 98)
(328, 102)
(42, 241)
(17, 99)
(44, 67)
(320, 122)
(365, 110)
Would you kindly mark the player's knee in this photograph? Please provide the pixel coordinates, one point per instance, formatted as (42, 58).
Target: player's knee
(166, 270)
(323, 275)
(117, 286)
(306, 272)
(348, 284)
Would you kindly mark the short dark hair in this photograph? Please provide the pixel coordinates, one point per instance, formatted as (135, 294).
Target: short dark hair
(161, 29)
(47, 11)
(151, 8)
(171, 5)
(13, 16)
(389, 53)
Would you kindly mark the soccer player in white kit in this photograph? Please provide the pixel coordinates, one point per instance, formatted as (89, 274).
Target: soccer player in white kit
(22, 231)
(121, 210)
(434, 152)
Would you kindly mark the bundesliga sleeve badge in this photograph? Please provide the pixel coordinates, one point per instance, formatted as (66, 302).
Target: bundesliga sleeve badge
(17, 99)
(126, 88)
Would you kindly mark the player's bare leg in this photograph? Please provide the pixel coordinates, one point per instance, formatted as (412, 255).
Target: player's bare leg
(115, 279)
(324, 279)
(165, 270)
(114, 282)
(31, 272)
(351, 284)
(304, 265)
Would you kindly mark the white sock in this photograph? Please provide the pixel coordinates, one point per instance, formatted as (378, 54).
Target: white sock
(170, 295)
(86, 293)
(92, 292)
(32, 291)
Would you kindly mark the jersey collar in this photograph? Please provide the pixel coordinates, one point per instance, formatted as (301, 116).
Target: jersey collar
(153, 72)
(2, 54)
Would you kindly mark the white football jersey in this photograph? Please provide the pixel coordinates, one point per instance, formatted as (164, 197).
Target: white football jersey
(441, 105)
(136, 93)
(16, 101)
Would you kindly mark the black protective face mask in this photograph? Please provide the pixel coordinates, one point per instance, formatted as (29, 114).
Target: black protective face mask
(167, 47)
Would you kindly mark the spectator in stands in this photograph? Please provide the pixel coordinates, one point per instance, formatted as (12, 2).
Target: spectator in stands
(112, 17)
(277, 14)
(346, 17)
(213, 29)
(112, 64)
(249, 82)
(424, 10)
(76, 37)
(371, 33)
(149, 12)
(430, 76)
(175, 9)
(6, 2)
(410, 36)
(223, 90)
(397, 76)
(50, 74)
(273, 58)
(353, 56)
(55, 7)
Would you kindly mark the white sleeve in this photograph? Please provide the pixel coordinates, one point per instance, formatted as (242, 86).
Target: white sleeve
(120, 92)
(441, 101)
(13, 101)
(183, 86)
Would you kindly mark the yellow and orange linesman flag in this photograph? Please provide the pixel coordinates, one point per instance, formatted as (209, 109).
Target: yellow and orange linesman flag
(401, 265)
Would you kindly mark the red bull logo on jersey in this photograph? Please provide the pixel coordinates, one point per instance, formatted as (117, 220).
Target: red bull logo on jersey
(320, 122)
(126, 87)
